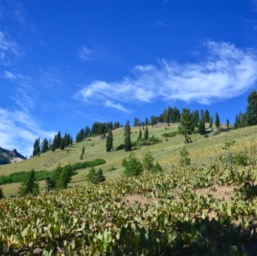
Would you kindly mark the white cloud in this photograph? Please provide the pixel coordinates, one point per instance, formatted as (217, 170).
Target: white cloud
(9, 75)
(225, 72)
(85, 53)
(7, 48)
(19, 130)
(117, 106)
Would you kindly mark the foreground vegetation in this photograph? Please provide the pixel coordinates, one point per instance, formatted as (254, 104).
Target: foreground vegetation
(199, 209)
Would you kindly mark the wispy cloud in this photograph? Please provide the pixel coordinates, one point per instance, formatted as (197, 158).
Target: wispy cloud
(8, 48)
(85, 53)
(19, 130)
(117, 106)
(225, 72)
(161, 24)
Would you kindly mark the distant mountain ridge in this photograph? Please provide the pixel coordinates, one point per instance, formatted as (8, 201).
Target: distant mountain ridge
(9, 156)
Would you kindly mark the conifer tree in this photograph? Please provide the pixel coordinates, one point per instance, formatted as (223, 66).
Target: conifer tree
(109, 141)
(1, 194)
(146, 134)
(187, 124)
(251, 112)
(36, 148)
(29, 185)
(45, 146)
(140, 134)
(217, 121)
(127, 140)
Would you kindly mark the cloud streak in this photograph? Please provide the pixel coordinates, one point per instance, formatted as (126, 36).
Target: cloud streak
(19, 130)
(226, 72)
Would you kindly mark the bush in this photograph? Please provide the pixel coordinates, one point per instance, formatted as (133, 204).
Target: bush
(96, 176)
(240, 159)
(132, 166)
(169, 134)
(148, 161)
(156, 168)
(184, 157)
(120, 147)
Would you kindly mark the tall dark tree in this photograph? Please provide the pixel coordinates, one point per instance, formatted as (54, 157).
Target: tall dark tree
(187, 124)
(207, 116)
(44, 146)
(36, 147)
(217, 121)
(140, 134)
(251, 111)
(201, 127)
(211, 122)
(228, 123)
(146, 134)
(109, 141)
(127, 140)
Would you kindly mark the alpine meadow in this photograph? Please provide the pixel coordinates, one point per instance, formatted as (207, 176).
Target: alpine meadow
(128, 128)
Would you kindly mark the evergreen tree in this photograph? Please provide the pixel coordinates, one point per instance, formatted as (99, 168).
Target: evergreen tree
(127, 141)
(227, 122)
(44, 146)
(140, 134)
(36, 148)
(211, 122)
(207, 116)
(251, 112)
(1, 194)
(217, 121)
(187, 124)
(109, 141)
(146, 134)
(201, 127)
(29, 185)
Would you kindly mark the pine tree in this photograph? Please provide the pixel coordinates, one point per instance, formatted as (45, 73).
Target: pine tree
(36, 148)
(217, 121)
(251, 111)
(227, 122)
(1, 194)
(127, 140)
(187, 124)
(211, 122)
(146, 134)
(140, 134)
(29, 185)
(201, 128)
(44, 146)
(109, 141)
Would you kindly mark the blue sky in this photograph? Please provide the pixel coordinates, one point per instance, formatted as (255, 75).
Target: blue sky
(67, 64)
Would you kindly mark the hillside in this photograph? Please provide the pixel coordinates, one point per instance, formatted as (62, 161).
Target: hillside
(206, 208)
(167, 152)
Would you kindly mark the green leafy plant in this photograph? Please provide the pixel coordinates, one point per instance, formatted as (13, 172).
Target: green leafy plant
(184, 157)
(132, 166)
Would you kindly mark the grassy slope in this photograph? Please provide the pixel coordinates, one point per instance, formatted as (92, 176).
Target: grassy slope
(167, 152)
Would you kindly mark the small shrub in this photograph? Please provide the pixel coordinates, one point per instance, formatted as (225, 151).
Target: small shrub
(240, 159)
(132, 166)
(120, 147)
(96, 176)
(156, 168)
(112, 168)
(29, 185)
(148, 161)
(169, 134)
(184, 157)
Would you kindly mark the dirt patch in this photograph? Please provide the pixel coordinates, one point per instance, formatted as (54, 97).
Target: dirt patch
(218, 192)
(131, 199)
